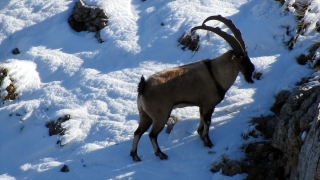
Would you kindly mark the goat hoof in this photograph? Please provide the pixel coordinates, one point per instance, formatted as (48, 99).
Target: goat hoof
(207, 142)
(209, 145)
(161, 155)
(135, 157)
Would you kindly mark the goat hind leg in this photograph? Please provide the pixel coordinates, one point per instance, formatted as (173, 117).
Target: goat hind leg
(156, 129)
(200, 126)
(144, 124)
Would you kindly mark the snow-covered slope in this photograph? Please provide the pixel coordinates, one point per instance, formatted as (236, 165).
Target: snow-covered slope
(60, 71)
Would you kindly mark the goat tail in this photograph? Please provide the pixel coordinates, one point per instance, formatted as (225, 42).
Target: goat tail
(141, 85)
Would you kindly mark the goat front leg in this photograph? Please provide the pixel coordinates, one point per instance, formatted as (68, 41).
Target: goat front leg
(204, 125)
(156, 129)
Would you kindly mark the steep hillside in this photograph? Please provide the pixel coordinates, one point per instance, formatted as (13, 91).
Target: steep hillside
(69, 108)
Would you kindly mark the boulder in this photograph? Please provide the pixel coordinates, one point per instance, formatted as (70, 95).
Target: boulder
(88, 18)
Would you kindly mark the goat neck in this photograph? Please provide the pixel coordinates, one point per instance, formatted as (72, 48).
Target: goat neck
(225, 69)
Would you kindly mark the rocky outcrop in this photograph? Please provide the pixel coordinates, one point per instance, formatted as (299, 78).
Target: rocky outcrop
(291, 148)
(294, 138)
(295, 133)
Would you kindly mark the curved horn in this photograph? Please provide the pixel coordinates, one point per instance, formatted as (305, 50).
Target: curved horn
(231, 26)
(234, 43)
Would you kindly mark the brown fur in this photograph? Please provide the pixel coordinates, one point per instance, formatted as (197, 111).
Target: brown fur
(170, 74)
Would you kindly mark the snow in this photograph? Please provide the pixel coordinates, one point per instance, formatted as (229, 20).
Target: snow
(60, 71)
(303, 135)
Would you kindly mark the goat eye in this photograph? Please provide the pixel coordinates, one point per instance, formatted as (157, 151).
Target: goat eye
(245, 58)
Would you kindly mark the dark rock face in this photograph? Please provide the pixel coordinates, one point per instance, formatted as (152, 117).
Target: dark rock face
(11, 94)
(294, 134)
(88, 18)
(291, 148)
(297, 134)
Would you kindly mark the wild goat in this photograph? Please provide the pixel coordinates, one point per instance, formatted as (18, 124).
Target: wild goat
(203, 84)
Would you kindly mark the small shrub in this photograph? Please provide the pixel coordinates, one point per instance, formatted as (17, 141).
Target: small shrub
(302, 59)
(9, 91)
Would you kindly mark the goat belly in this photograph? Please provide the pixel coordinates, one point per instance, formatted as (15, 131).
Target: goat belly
(181, 105)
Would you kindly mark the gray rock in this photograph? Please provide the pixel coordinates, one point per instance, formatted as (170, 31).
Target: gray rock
(88, 18)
